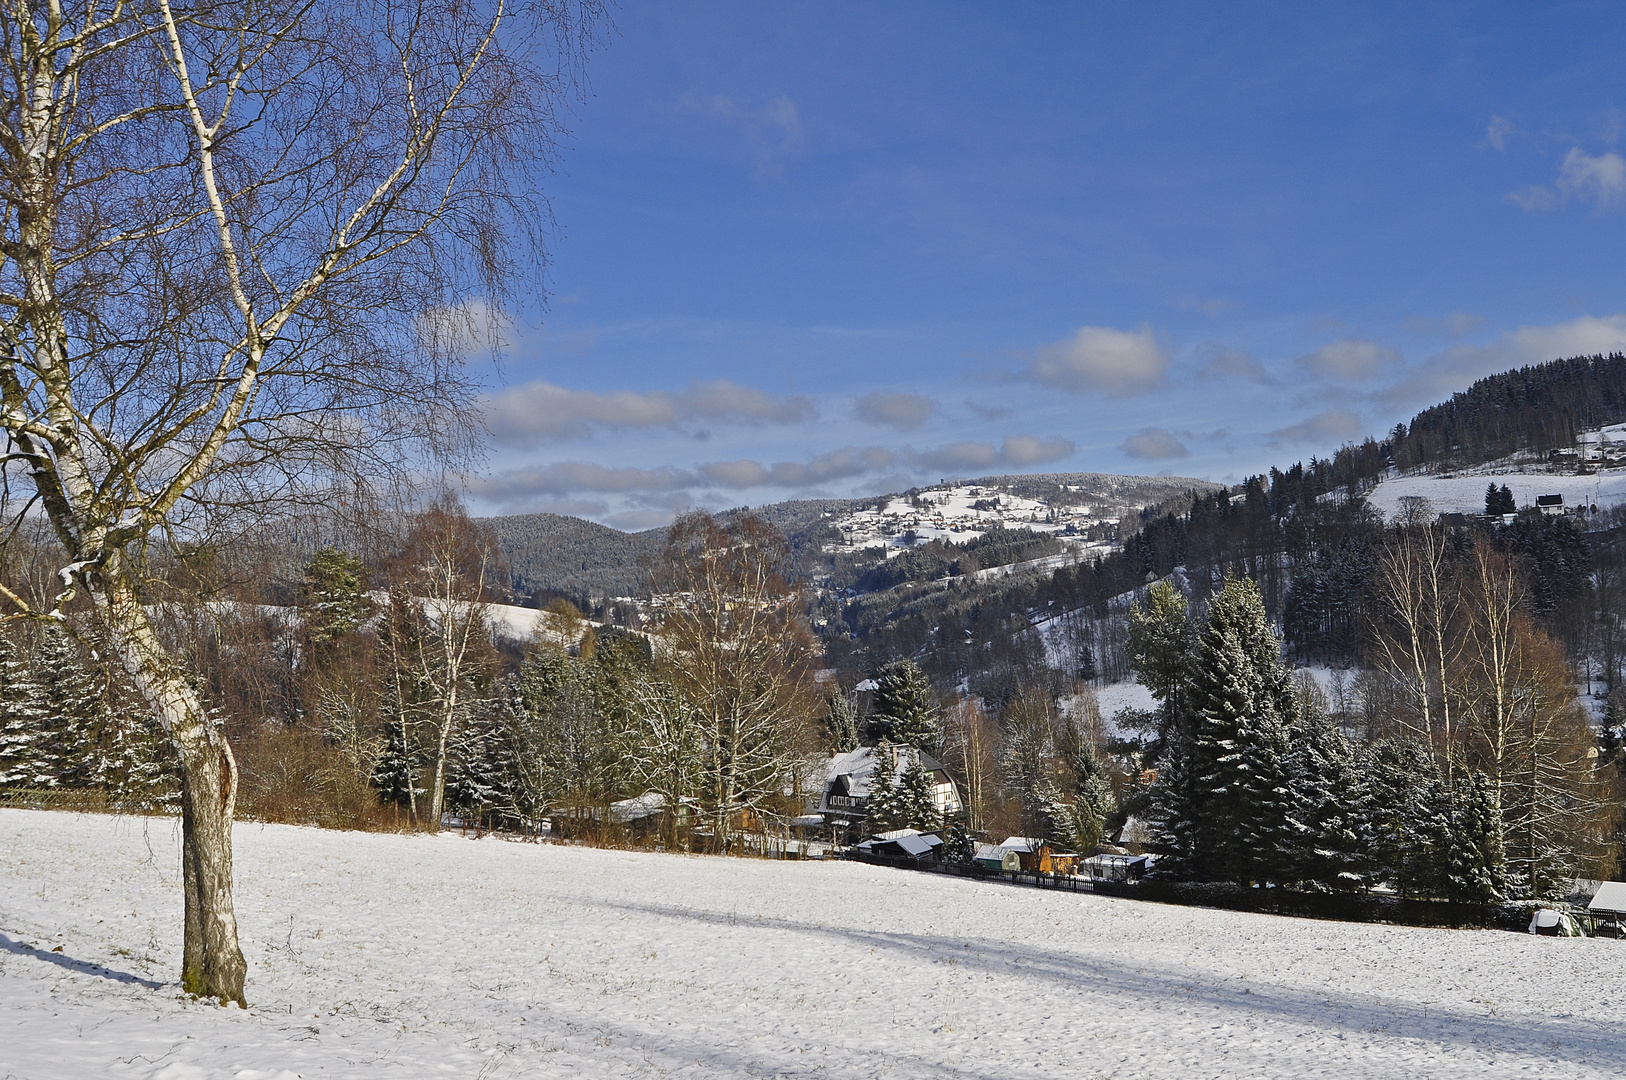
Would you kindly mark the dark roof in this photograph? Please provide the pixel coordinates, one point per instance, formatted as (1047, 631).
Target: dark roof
(1549, 500)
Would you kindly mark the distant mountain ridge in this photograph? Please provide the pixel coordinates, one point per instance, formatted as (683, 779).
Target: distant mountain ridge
(579, 558)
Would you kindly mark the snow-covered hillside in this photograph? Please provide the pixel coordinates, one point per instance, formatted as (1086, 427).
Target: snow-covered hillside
(1464, 492)
(957, 513)
(389, 956)
(1525, 474)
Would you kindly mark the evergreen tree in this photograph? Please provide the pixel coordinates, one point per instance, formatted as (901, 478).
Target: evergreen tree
(1499, 501)
(904, 710)
(958, 847)
(917, 801)
(135, 769)
(1400, 825)
(1162, 650)
(334, 596)
(72, 713)
(1244, 707)
(1474, 863)
(1093, 801)
(479, 782)
(883, 811)
(839, 722)
(20, 758)
(1173, 816)
(1054, 818)
(1322, 842)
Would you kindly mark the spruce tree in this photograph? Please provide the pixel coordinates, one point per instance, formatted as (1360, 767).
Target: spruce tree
(21, 763)
(479, 781)
(1473, 865)
(1244, 708)
(917, 798)
(1321, 842)
(72, 714)
(839, 722)
(904, 710)
(334, 596)
(135, 769)
(883, 810)
(1401, 780)
(1093, 797)
(1162, 650)
(958, 847)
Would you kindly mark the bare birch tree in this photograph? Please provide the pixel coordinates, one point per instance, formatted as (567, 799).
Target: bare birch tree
(241, 245)
(738, 651)
(1528, 732)
(446, 653)
(1415, 638)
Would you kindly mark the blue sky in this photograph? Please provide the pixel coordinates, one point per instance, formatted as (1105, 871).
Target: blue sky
(834, 249)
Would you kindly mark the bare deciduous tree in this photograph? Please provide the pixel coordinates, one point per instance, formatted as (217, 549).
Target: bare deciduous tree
(242, 245)
(1415, 638)
(738, 652)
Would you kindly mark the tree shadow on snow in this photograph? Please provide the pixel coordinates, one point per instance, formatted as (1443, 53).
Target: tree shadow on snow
(1568, 1038)
(82, 967)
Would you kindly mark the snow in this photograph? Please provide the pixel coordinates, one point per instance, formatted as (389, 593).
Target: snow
(958, 513)
(1113, 698)
(513, 622)
(1464, 493)
(380, 955)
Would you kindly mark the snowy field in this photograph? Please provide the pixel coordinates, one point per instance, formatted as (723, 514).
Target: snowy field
(375, 956)
(1465, 492)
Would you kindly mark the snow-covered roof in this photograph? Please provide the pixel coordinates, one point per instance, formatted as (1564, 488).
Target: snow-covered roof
(1022, 843)
(1610, 897)
(638, 807)
(911, 841)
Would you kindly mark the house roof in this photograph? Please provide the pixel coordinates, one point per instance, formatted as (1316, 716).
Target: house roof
(1610, 897)
(909, 841)
(1022, 843)
(637, 808)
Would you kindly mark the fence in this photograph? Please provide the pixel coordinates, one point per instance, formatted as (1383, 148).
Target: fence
(1345, 907)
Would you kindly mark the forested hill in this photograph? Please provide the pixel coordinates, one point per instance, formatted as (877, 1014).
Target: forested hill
(568, 555)
(1539, 407)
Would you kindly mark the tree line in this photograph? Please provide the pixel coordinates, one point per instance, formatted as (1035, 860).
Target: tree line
(1480, 781)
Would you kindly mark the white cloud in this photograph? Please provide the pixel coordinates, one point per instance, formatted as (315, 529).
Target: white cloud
(1584, 336)
(1153, 444)
(1535, 198)
(1456, 324)
(1015, 452)
(526, 416)
(836, 465)
(1331, 426)
(774, 130)
(1497, 132)
(985, 411)
(1350, 360)
(1458, 367)
(1601, 178)
(897, 410)
(1223, 362)
(1118, 363)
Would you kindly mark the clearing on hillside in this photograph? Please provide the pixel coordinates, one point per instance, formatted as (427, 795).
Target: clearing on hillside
(402, 956)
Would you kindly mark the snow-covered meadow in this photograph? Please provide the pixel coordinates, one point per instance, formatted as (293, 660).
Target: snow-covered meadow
(377, 955)
(1464, 493)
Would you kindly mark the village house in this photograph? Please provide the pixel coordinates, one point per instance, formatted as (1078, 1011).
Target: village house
(847, 784)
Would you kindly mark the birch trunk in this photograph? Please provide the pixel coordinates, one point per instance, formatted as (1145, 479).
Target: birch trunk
(212, 963)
